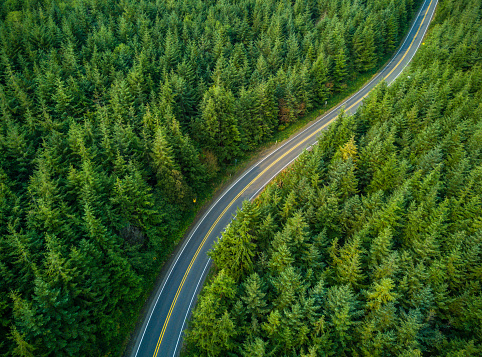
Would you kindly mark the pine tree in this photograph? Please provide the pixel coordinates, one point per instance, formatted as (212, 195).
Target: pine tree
(408, 334)
(281, 258)
(185, 153)
(342, 177)
(62, 99)
(214, 330)
(340, 71)
(364, 48)
(169, 179)
(235, 251)
(84, 91)
(392, 33)
(287, 285)
(347, 262)
(22, 347)
(256, 348)
(218, 124)
(293, 49)
(341, 308)
(251, 132)
(381, 247)
(254, 296)
(320, 72)
(132, 199)
(380, 294)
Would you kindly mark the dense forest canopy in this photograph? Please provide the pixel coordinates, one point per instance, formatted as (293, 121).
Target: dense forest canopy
(370, 244)
(116, 114)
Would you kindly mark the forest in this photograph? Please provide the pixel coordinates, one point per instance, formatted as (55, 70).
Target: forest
(116, 115)
(371, 243)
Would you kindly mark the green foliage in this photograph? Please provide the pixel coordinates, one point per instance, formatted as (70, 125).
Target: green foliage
(217, 129)
(214, 329)
(114, 116)
(370, 245)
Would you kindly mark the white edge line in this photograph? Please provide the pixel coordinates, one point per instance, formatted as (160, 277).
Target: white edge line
(384, 68)
(425, 31)
(418, 46)
(289, 163)
(189, 308)
(180, 253)
(276, 174)
(257, 164)
(209, 260)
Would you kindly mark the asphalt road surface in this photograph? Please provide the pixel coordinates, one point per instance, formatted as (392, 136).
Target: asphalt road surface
(161, 333)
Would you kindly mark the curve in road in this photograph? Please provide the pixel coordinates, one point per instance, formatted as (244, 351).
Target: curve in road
(161, 333)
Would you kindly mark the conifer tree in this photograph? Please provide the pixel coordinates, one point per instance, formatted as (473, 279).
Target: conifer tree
(387, 203)
(22, 348)
(237, 254)
(254, 298)
(320, 72)
(218, 124)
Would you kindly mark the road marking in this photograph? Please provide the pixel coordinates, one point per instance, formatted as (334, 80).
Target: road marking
(216, 222)
(408, 62)
(414, 37)
(189, 307)
(264, 171)
(403, 57)
(358, 101)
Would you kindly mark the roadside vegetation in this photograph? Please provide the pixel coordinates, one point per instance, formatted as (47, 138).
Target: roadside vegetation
(370, 244)
(116, 115)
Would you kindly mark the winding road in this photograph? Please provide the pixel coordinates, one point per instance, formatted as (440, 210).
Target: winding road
(161, 333)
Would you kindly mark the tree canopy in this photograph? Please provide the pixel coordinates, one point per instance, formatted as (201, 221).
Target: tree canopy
(371, 243)
(115, 115)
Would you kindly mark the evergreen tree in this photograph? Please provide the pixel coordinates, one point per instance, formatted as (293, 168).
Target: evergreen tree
(340, 72)
(320, 72)
(218, 125)
(168, 176)
(254, 298)
(370, 244)
(90, 94)
(364, 48)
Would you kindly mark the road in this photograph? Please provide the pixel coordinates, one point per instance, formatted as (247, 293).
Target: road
(160, 335)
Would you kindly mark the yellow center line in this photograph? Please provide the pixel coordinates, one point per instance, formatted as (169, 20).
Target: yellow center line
(216, 222)
(413, 40)
(254, 180)
(403, 57)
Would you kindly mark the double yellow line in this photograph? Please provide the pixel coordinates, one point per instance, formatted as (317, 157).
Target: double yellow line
(401, 59)
(173, 304)
(216, 222)
(414, 37)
